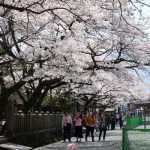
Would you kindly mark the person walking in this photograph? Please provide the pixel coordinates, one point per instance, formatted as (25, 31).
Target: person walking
(108, 121)
(102, 127)
(113, 122)
(97, 118)
(120, 121)
(66, 126)
(78, 127)
(90, 125)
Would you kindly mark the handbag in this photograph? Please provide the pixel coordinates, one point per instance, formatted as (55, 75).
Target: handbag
(68, 124)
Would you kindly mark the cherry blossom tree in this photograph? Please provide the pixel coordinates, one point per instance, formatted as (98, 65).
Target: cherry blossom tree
(45, 44)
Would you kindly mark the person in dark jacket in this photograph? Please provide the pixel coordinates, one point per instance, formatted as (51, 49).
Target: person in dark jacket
(102, 127)
(113, 122)
(120, 121)
(108, 121)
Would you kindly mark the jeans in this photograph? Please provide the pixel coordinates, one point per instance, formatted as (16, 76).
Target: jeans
(89, 130)
(100, 134)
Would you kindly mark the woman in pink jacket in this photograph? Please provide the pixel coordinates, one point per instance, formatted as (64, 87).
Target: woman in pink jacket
(78, 127)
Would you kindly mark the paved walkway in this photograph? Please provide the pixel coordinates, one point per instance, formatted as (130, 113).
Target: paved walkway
(112, 142)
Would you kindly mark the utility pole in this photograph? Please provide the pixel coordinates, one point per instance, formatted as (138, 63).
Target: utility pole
(144, 110)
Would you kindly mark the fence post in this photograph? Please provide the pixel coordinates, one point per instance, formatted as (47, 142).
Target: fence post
(123, 138)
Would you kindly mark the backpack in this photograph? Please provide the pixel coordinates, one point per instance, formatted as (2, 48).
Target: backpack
(103, 124)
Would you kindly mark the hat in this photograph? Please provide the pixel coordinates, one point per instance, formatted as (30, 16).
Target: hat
(72, 146)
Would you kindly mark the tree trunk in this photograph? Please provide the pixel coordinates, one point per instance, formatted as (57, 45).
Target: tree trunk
(10, 118)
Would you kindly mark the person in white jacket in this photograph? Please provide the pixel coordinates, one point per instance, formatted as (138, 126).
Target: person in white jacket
(66, 126)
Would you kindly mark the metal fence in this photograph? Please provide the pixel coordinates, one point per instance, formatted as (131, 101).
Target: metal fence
(136, 133)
